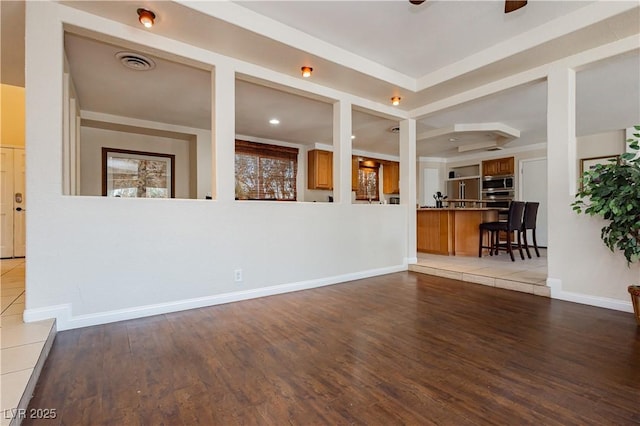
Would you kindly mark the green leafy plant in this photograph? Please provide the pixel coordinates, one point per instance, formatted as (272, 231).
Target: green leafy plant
(612, 191)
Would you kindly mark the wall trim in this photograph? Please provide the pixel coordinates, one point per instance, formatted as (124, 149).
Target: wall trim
(555, 285)
(432, 159)
(66, 321)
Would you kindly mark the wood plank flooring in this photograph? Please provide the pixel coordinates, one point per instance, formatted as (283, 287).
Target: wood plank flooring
(403, 348)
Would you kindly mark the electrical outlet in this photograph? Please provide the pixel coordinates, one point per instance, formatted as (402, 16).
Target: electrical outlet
(237, 275)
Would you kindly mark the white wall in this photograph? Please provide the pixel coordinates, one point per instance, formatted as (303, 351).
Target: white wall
(200, 154)
(601, 145)
(93, 140)
(580, 267)
(96, 259)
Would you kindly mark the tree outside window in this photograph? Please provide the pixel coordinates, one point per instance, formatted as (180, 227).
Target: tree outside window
(265, 172)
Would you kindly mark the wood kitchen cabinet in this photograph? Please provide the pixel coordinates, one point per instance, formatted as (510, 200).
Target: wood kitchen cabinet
(506, 166)
(489, 168)
(319, 169)
(452, 231)
(355, 165)
(391, 177)
(497, 167)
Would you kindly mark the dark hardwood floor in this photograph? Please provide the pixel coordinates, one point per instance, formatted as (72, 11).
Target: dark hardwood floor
(404, 348)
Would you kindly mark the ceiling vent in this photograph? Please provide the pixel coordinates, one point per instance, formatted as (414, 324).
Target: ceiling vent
(135, 61)
(395, 129)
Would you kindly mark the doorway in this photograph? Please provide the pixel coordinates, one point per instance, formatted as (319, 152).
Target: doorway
(13, 202)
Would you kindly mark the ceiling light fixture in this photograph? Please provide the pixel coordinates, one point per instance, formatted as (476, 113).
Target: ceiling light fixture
(353, 137)
(274, 121)
(146, 17)
(395, 101)
(306, 71)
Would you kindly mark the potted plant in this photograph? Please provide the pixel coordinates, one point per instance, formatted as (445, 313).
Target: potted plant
(612, 191)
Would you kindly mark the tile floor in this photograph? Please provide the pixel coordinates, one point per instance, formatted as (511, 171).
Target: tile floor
(23, 347)
(528, 276)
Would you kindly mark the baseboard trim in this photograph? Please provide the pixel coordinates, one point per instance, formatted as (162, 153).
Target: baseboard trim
(557, 292)
(410, 260)
(66, 321)
(61, 313)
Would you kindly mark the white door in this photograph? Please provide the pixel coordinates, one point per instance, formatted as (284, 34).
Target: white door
(12, 202)
(431, 186)
(533, 187)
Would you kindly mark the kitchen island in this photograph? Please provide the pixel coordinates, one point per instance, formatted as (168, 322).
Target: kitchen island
(452, 231)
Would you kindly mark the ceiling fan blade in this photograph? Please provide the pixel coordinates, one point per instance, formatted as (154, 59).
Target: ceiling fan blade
(511, 5)
(416, 1)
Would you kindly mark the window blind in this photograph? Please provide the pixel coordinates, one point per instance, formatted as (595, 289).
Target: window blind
(265, 172)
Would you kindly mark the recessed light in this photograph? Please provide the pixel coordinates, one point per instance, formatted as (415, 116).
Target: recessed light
(274, 121)
(353, 137)
(452, 139)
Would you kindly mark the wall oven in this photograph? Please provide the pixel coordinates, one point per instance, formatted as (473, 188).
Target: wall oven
(498, 191)
(498, 204)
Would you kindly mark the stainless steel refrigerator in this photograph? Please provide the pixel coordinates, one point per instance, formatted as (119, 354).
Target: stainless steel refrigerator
(467, 189)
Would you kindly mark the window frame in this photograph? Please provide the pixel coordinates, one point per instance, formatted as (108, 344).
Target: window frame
(369, 164)
(171, 158)
(263, 150)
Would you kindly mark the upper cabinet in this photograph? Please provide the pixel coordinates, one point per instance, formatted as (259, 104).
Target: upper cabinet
(320, 169)
(499, 166)
(391, 177)
(355, 165)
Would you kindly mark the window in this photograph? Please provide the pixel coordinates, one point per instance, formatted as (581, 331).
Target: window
(368, 181)
(265, 172)
(137, 174)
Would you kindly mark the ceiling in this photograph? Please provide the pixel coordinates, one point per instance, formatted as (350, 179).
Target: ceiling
(418, 44)
(413, 40)
(170, 93)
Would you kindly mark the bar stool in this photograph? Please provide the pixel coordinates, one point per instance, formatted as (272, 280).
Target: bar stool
(529, 222)
(512, 224)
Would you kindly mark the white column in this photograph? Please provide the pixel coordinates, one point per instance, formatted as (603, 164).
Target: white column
(78, 176)
(72, 146)
(561, 170)
(408, 183)
(66, 137)
(223, 132)
(342, 152)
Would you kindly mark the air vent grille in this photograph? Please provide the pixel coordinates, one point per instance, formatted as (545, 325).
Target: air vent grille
(135, 61)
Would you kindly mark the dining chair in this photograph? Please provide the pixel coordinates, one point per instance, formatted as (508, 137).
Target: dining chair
(512, 227)
(529, 222)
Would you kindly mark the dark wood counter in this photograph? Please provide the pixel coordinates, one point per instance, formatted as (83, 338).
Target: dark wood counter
(452, 231)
